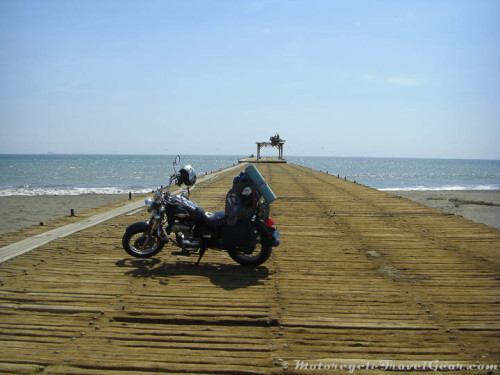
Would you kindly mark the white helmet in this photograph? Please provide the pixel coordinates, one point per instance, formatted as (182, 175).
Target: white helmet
(187, 176)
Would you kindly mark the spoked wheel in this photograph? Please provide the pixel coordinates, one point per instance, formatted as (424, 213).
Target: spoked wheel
(138, 243)
(257, 257)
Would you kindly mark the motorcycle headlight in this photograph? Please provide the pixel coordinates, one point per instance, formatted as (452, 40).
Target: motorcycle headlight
(148, 202)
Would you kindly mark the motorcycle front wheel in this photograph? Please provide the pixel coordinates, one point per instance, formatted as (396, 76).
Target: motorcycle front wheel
(139, 243)
(261, 253)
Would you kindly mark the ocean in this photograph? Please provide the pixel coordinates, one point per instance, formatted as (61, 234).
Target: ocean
(117, 174)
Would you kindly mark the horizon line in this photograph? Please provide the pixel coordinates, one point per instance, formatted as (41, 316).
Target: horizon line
(242, 156)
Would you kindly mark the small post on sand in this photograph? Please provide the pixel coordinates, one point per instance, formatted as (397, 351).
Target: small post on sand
(129, 195)
(72, 212)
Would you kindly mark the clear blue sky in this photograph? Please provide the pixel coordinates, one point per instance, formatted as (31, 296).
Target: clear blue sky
(335, 78)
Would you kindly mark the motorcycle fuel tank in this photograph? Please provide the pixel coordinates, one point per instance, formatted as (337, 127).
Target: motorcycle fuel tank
(191, 208)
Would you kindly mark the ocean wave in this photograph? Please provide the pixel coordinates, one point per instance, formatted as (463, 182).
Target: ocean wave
(31, 191)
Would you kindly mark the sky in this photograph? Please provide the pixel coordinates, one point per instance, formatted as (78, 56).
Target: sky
(364, 78)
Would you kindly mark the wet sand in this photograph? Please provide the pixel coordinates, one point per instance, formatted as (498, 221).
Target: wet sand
(18, 212)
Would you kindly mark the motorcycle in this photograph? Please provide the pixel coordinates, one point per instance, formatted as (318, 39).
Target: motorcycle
(180, 221)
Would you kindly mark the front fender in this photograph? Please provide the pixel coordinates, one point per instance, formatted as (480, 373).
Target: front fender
(140, 226)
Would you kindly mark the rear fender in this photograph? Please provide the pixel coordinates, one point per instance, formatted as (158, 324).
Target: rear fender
(266, 231)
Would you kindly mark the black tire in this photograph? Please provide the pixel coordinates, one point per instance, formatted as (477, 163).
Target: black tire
(137, 242)
(256, 258)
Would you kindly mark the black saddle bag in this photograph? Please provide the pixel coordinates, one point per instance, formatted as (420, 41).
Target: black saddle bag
(241, 236)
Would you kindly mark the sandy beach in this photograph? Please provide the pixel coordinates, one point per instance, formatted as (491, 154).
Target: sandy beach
(18, 212)
(482, 206)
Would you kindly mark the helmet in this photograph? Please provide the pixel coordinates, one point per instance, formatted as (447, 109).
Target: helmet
(187, 176)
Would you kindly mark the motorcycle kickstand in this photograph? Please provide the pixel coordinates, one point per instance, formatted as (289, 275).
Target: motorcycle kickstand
(202, 252)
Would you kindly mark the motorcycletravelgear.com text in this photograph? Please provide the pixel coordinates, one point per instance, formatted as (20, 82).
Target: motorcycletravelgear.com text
(387, 365)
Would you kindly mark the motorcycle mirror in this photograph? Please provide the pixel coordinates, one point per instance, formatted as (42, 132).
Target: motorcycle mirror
(177, 159)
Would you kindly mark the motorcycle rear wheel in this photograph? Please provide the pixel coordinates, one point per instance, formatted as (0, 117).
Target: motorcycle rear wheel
(256, 258)
(138, 243)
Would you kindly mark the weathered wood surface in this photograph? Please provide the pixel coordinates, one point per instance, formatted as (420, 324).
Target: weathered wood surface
(360, 276)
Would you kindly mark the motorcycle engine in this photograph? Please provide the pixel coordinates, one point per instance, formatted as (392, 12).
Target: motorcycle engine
(184, 235)
(182, 228)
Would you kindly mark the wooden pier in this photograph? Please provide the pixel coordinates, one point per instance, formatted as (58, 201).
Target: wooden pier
(362, 278)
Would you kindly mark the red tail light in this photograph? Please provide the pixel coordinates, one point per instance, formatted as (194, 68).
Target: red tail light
(270, 222)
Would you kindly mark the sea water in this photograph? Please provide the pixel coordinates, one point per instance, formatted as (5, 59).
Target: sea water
(410, 174)
(95, 174)
(116, 174)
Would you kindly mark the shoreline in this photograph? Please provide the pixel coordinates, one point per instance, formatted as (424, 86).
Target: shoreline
(17, 212)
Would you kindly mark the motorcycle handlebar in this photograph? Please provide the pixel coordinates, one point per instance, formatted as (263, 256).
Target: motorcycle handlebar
(173, 178)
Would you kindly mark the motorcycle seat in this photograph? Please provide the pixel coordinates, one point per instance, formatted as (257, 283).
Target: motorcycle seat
(215, 218)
